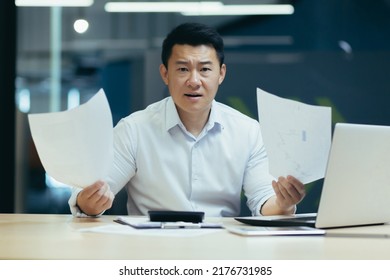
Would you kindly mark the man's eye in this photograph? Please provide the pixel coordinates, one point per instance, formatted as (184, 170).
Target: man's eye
(182, 69)
(205, 69)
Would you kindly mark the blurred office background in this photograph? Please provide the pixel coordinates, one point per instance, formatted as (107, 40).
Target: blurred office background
(322, 52)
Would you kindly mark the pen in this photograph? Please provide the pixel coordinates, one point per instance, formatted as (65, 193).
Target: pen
(359, 235)
(179, 225)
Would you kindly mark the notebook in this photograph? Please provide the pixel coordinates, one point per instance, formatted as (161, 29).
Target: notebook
(276, 231)
(356, 188)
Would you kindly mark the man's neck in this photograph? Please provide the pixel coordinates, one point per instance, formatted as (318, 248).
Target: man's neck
(194, 123)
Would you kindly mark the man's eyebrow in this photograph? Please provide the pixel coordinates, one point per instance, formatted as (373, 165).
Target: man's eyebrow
(181, 62)
(206, 62)
(185, 62)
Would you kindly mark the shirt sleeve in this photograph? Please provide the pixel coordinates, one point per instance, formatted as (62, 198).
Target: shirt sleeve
(124, 165)
(74, 209)
(257, 180)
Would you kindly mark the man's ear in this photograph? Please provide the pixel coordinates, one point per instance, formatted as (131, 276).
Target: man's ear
(222, 73)
(164, 73)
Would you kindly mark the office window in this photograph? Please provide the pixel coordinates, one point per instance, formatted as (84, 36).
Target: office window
(332, 53)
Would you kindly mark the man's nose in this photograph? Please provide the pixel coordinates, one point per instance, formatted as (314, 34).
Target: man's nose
(193, 79)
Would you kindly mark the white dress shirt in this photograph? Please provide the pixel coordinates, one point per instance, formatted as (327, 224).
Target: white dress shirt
(164, 167)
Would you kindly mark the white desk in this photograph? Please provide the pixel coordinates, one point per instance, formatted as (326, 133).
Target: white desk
(36, 236)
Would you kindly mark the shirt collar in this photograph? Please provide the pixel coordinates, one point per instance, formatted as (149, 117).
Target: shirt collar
(172, 116)
(173, 119)
(215, 117)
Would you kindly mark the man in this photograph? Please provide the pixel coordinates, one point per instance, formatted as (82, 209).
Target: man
(187, 151)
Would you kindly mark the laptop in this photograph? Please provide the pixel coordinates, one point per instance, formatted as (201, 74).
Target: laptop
(356, 187)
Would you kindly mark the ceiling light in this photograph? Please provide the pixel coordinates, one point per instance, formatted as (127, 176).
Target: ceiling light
(53, 3)
(200, 8)
(244, 10)
(161, 7)
(81, 26)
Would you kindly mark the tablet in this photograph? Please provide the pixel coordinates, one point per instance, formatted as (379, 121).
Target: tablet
(176, 216)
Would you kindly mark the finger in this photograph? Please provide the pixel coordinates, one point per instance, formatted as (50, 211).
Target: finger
(92, 189)
(100, 195)
(281, 194)
(299, 186)
(288, 190)
(105, 202)
(104, 195)
(108, 203)
(275, 186)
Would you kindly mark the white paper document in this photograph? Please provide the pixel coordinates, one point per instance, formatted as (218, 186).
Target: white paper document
(125, 228)
(142, 224)
(75, 146)
(297, 136)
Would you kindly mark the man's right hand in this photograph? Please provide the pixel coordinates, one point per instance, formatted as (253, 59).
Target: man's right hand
(95, 199)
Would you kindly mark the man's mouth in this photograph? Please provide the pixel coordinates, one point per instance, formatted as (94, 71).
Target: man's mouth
(193, 94)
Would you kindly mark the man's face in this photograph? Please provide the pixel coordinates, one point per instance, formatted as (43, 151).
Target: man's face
(193, 77)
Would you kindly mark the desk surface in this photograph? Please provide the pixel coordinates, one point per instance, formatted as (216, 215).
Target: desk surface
(38, 236)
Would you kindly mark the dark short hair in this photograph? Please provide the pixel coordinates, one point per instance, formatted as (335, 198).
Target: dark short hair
(193, 34)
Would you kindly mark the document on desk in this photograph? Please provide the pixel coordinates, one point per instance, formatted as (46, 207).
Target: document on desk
(147, 224)
(142, 226)
(75, 146)
(297, 136)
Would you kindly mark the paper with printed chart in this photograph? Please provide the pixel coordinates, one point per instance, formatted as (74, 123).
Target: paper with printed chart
(297, 136)
(75, 146)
